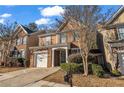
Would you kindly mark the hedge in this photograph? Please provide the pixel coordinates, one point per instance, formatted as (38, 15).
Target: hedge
(97, 70)
(116, 73)
(74, 67)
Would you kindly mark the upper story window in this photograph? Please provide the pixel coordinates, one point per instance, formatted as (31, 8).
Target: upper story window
(75, 36)
(48, 40)
(19, 41)
(121, 33)
(25, 40)
(63, 37)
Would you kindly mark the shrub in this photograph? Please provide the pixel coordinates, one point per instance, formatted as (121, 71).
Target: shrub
(71, 66)
(116, 73)
(21, 60)
(75, 58)
(2, 63)
(97, 70)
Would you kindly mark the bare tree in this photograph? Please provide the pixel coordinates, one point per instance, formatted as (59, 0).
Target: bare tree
(32, 26)
(87, 18)
(6, 36)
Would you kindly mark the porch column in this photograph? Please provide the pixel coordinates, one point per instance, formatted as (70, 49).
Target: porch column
(66, 55)
(35, 60)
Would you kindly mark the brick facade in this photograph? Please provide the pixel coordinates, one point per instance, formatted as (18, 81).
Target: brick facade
(54, 45)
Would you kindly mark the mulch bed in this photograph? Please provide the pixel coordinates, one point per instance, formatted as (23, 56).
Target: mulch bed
(89, 81)
(9, 69)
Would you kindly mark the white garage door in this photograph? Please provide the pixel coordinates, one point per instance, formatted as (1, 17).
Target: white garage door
(41, 60)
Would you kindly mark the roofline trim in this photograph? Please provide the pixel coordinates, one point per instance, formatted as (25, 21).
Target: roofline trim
(17, 31)
(115, 15)
(48, 34)
(24, 29)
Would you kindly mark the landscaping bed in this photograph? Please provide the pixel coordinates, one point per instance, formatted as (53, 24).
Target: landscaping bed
(9, 69)
(89, 81)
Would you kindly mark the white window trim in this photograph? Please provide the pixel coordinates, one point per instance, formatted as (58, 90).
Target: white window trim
(48, 39)
(53, 49)
(119, 32)
(24, 40)
(64, 38)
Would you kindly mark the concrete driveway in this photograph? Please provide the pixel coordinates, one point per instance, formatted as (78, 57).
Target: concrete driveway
(25, 77)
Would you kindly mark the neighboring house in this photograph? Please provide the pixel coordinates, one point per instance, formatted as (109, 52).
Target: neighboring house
(55, 47)
(113, 41)
(24, 38)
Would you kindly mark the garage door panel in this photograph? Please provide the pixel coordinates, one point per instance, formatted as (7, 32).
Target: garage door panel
(41, 60)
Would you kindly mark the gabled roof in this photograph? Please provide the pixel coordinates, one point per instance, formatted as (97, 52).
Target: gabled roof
(69, 24)
(115, 15)
(62, 25)
(27, 29)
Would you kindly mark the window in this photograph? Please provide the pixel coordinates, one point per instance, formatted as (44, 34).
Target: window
(25, 40)
(19, 41)
(121, 33)
(75, 50)
(75, 36)
(48, 40)
(63, 56)
(63, 38)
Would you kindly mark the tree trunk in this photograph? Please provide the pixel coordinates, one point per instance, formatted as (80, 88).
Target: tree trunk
(86, 62)
(85, 65)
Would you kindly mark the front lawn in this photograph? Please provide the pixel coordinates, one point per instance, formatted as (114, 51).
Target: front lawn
(90, 81)
(9, 69)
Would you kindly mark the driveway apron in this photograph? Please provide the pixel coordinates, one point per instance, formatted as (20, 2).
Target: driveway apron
(27, 78)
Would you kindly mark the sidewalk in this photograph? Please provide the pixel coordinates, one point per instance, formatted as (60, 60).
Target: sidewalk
(43, 83)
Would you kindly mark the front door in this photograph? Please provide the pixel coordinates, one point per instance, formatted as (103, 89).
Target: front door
(59, 57)
(56, 58)
(41, 60)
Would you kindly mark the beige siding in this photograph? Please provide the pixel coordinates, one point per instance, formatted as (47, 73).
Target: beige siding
(33, 40)
(110, 35)
(119, 19)
(54, 41)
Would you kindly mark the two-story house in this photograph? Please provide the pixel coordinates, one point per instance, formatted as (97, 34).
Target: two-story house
(24, 38)
(55, 47)
(113, 41)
